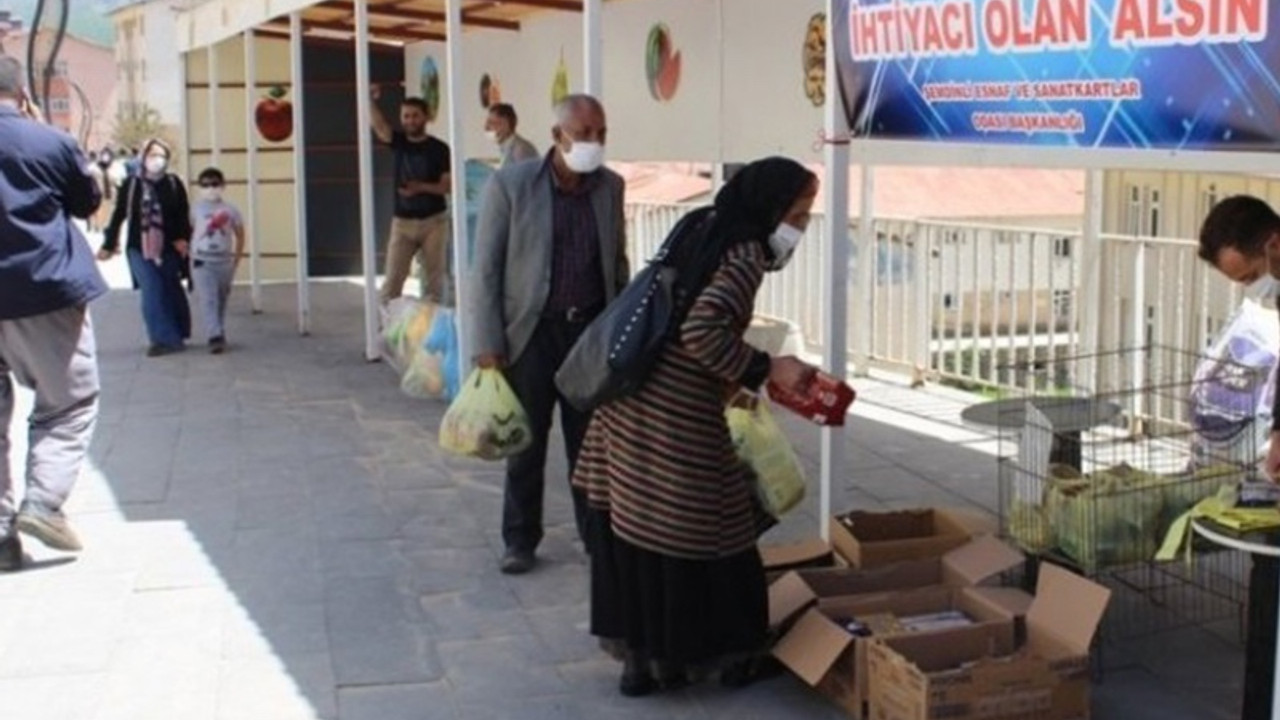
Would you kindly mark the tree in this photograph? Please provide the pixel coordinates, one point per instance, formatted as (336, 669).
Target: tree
(137, 125)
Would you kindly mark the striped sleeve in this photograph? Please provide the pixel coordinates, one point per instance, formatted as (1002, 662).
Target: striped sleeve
(713, 331)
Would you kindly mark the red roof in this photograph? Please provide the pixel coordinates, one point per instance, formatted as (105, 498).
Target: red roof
(908, 192)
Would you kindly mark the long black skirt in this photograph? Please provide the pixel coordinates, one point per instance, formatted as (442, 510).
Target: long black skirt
(674, 610)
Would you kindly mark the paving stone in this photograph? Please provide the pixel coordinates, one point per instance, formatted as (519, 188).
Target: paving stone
(432, 701)
(262, 630)
(275, 688)
(57, 697)
(486, 672)
(158, 679)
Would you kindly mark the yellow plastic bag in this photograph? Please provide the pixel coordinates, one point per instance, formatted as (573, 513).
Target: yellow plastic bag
(761, 444)
(486, 421)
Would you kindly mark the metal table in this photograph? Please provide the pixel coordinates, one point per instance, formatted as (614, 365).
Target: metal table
(1262, 652)
(1069, 416)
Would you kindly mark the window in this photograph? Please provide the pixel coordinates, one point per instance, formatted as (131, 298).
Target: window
(1153, 212)
(1133, 212)
(1062, 303)
(1062, 247)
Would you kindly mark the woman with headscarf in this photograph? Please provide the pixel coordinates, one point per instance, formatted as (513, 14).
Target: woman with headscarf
(153, 208)
(677, 582)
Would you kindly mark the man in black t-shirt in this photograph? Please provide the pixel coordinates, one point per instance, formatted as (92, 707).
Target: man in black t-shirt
(421, 223)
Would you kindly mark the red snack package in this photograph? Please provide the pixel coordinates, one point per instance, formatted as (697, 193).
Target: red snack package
(825, 403)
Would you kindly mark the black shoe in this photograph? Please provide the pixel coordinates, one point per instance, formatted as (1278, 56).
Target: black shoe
(162, 350)
(11, 558)
(49, 527)
(218, 345)
(517, 562)
(636, 680)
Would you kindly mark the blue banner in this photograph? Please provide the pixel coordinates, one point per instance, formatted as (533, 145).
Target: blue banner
(1133, 74)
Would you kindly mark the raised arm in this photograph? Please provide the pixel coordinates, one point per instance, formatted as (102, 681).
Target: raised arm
(381, 127)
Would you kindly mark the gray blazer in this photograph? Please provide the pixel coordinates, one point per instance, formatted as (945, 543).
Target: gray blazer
(517, 149)
(510, 279)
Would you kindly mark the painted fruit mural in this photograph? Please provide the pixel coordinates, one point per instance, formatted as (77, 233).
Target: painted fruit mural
(273, 116)
(815, 60)
(429, 84)
(490, 91)
(560, 83)
(662, 64)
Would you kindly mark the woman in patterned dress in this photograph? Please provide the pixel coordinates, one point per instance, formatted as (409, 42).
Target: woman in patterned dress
(677, 581)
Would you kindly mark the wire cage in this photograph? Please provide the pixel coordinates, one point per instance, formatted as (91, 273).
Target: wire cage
(1109, 449)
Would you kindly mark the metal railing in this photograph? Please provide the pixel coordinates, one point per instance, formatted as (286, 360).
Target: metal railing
(970, 303)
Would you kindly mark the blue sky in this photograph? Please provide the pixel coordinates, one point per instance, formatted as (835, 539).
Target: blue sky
(88, 17)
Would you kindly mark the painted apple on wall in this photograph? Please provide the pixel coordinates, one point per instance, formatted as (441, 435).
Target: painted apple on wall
(273, 116)
(430, 86)
(662, 64)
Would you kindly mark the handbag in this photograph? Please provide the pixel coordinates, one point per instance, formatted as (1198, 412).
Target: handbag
(615, 353)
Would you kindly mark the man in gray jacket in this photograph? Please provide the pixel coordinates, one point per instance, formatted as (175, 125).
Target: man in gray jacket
(550, 254)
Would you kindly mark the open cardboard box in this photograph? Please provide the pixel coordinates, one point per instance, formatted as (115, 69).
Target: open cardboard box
(1048, 679)
(874, 539)
(812, 553)
(971, 564)
(821, 652)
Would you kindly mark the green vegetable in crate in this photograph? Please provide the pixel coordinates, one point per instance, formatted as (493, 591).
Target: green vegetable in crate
(1109, 518)
(1182, 492)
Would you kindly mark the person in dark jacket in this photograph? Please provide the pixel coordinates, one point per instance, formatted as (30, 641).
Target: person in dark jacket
(47, 278)
(156, 214)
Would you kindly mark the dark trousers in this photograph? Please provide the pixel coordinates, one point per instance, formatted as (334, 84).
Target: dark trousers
(1260, 651)
(532, 377)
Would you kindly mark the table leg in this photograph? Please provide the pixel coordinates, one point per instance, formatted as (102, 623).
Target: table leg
(1260, 646)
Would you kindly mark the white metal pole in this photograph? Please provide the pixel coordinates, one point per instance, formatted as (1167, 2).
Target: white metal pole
(867, 269)
(836, 287)
(593, 47)
(458, 171)
(300, 173)
(1088, 297)
(215, 149)
(184, 112)
(251, 169)
(364, 125)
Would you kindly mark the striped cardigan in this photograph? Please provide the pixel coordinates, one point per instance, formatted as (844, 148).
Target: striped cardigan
(660, 460)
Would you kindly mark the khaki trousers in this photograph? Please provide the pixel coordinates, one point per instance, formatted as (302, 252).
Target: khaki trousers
(428, 240)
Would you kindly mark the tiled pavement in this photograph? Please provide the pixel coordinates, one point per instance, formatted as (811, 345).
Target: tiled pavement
(274, 535)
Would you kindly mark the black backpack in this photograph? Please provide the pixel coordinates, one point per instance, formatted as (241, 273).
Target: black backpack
(616, 352)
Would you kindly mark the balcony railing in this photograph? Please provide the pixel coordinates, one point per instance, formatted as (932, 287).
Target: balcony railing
(969, 304)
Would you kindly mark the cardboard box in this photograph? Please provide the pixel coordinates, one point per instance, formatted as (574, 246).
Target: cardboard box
(875, 539)
(821, 652)
(814, 553)
(1048, 679)
(971, 564)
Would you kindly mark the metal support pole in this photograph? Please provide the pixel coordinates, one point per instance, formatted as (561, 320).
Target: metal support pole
(593, 47)
(251, 170)
(1088, 297)
(836, 286)
(458, 172)
(300, 173)
(867, 269)
(364, 130)
(215, 143)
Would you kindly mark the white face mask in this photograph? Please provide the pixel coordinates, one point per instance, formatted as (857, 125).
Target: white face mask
(212, 195)
(156, 165)
(492, 135)
(783, 243)
(1264, 290)
(584, 157)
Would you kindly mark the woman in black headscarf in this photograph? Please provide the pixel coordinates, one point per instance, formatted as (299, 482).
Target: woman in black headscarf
(677, 583)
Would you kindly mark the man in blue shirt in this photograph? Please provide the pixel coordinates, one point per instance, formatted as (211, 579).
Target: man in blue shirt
(47, 278)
